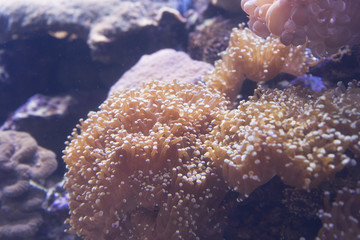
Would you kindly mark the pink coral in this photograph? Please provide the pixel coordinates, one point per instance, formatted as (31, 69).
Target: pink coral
(327, 24)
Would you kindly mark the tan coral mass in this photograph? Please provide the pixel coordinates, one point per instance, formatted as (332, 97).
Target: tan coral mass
(137, 169)
(301, 136)
(258, 59)
(157, 162)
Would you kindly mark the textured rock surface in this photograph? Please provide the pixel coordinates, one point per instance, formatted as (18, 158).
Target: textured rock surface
(98, 22)
(210, 38)
(54, 48)
(50, 118)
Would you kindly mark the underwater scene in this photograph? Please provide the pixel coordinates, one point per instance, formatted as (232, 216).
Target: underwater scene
(179, 119)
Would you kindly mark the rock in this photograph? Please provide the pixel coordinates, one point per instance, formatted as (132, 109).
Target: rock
(210, 38)
(99, 23)
(164, 65)
(50, 119)
(53, 47)
(45, 65)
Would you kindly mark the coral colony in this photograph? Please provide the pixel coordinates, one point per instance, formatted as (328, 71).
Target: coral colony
(157, 162)
(22, 164)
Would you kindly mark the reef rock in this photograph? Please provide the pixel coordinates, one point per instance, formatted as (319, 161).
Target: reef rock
(50, 118)
(164, 65)
(97, 22)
